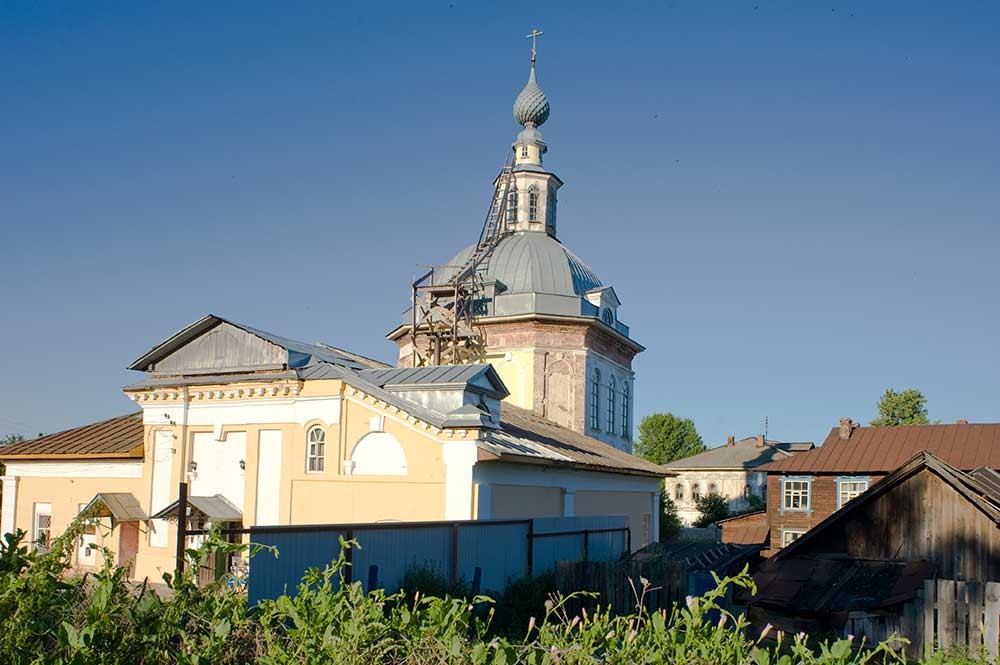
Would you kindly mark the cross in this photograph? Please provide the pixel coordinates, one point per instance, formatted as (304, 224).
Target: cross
(535, 34)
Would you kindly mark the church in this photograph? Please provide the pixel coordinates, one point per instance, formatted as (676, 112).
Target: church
(530, 416)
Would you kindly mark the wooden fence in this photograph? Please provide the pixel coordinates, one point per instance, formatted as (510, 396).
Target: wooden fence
(947, 614)
(619, 584)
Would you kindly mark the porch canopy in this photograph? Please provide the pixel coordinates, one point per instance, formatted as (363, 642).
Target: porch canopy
(119, 506)
(215, 508)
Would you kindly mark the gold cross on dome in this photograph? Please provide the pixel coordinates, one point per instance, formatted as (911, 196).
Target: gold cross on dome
(535, 34)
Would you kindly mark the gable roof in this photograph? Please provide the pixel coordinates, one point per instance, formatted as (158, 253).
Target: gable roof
(743, 454)
(483, 377)
(119, 506)
(882, 449)
(978, 490)
(297, 354)
(120, 437)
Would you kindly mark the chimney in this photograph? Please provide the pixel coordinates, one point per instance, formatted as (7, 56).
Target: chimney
(731, 441)
(962, 422)
(760, 440)
(846, 425)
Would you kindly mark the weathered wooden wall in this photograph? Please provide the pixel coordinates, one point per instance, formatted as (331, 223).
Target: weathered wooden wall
(922, 518)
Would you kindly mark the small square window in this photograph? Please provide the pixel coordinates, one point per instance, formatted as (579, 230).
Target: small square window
(789, 536)
(795, 494)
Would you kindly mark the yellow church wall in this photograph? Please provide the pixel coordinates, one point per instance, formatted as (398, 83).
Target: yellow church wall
(355, 500)
(522, 501)
(517, 374)
(638, 506)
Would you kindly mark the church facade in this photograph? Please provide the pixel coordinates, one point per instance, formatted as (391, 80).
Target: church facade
(553, 330)
(267, 430)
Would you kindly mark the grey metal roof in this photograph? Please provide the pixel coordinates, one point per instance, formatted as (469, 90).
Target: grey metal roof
(743, 454)
(531, 106)
(215, 508)
(437, 376)
(299, 354)
(119, 506)
(533, 262)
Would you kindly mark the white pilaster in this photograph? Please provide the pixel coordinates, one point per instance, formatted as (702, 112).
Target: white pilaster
(9, 504)
(459, 458)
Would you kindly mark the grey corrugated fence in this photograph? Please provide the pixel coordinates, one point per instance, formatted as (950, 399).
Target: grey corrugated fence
(499, 549)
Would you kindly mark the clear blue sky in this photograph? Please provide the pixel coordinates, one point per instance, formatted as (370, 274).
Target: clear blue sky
(796, 202)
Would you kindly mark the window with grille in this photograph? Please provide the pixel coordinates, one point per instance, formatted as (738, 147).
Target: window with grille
(795, 494)
(625, 410)
(533, 203)
(789, 536)
(512, 205)
(317, 450)
(43, 527)
(611, 405)
(850, 488)
(595, 400)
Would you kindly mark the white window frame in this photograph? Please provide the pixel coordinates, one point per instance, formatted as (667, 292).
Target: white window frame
(679, 492)
(533, 203)
(856, 492)
(38, 510)
(804, 507)
(785, 533)
(311, 454)
(524, 151)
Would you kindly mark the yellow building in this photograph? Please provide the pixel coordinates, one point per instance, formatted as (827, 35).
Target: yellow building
(282, 433)
(292, 433)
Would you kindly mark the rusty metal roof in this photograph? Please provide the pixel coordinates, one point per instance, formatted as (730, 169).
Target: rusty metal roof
(112, 438)
(883, 449)
(527, 437)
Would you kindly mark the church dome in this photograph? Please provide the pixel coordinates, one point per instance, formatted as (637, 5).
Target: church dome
(531, 106)
(532, 262)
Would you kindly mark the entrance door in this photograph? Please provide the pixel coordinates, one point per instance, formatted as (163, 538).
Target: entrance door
(220, 466)
(128, 545)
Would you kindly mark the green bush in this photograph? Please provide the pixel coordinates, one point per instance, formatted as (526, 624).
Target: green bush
(427, 580)
(711, 508)
(47, 615)
(670, 521)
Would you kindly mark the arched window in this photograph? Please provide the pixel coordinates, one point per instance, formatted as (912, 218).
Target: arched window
(512, 204)
(763, 490)
(747, 491)
(696, 491)
(609, 318)
(713, 488)
(316, 453)
(611, 405)
(595, 400)
(533, 203)
(679, 492)
(524, 151)
(625, 409)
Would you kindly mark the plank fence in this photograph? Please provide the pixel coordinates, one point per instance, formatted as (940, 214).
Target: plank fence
(946, 614)
(619, 584)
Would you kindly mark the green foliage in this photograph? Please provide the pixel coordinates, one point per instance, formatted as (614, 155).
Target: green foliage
(50, 616)
(906, 407)
(670, 521)
(663, 437)
(427, 580)
(8, 439)
(522, 602)
(711, 508)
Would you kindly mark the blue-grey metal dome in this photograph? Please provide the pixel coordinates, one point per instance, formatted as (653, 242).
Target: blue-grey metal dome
(533, 262)
(531, 106)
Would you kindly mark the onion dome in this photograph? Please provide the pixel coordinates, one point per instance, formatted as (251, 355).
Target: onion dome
(531, 108)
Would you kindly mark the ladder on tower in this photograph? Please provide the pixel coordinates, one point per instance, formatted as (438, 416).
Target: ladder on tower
(443, 328)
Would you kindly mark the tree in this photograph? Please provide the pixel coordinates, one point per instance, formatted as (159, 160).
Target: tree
(907, 407)
(663, 437)
(670, 521)
(10, 438)
(711, 508)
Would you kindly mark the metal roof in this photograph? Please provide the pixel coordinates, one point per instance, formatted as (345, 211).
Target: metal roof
(299, 354)
(743, 454)
(436, 376)
(112, 438)
(532, 262)
(882, 449)
(119, 506)
(216, 508)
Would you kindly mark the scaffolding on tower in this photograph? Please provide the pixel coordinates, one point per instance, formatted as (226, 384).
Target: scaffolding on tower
(443, 326)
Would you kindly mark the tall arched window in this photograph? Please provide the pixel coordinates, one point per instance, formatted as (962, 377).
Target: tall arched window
(611, 405)
(679, 492)
(533, 203)
(625, 409)
(595, 400)
(696, 491)
(747, 490)
(512, 204)
(713, 489)
(316, 450)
